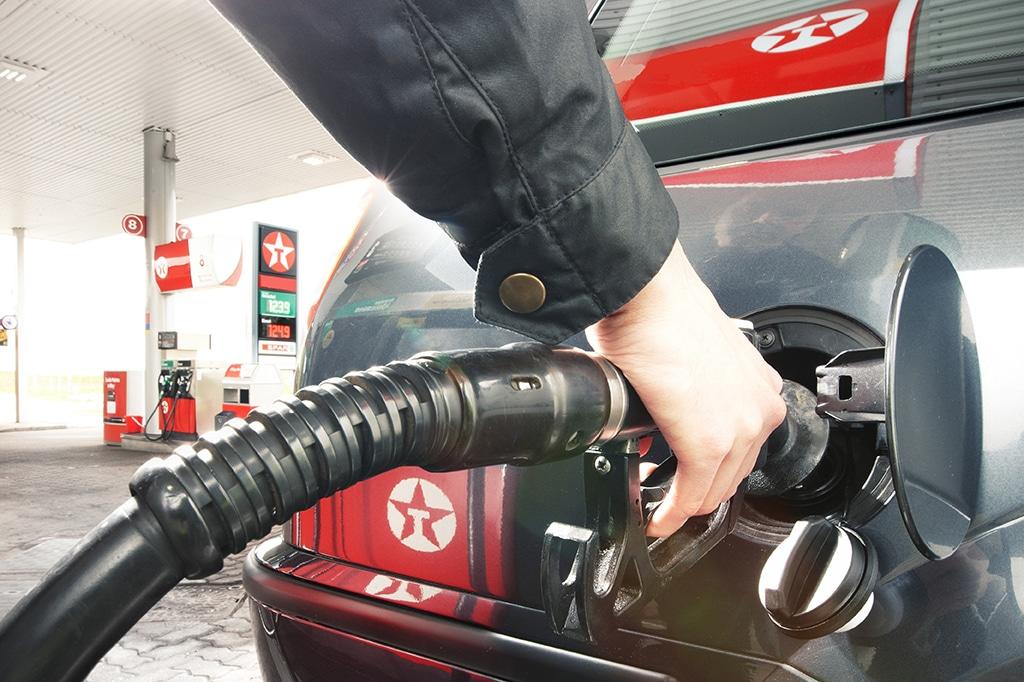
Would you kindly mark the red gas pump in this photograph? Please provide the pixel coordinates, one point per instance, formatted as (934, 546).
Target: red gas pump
(177, 404)
(190, 390)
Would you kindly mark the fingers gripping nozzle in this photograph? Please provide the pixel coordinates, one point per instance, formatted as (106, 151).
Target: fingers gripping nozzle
(597, 577)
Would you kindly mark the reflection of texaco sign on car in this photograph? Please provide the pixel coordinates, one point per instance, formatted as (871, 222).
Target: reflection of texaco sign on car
(809, 31)
(420, 515)
(400, 590)
(278, 251)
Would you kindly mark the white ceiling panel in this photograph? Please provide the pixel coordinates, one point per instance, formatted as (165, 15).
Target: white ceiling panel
(71, 142)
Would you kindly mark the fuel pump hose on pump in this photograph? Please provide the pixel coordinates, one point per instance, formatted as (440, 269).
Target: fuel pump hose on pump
(521, 404)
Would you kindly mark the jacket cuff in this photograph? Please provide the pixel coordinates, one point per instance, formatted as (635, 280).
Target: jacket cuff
(589, 253)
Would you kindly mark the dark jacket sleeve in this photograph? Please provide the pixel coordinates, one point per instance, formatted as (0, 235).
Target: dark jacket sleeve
(496, 118)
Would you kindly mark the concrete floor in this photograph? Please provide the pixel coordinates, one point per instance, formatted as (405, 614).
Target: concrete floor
(199, 631)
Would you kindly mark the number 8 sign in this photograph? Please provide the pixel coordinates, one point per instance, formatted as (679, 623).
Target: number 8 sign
(134, 224)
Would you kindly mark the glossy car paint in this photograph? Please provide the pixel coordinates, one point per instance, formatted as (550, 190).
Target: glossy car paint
(843, 46)
(316, 652)
(823, 227)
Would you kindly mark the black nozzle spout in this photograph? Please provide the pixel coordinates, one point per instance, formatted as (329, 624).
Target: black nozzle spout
(794, 449)
(520, 404)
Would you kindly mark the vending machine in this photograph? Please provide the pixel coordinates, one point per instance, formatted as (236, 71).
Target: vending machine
(122, 405)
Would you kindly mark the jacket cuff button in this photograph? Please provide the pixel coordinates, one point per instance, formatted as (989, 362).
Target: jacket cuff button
(522, 293)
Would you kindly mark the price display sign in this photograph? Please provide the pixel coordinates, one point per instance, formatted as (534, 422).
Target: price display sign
(276, 329)
(276, 290)
(277, 303)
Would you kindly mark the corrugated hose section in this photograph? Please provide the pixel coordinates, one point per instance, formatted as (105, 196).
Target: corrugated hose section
(236, 483)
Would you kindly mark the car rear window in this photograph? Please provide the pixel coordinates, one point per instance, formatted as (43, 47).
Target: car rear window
(704, 77)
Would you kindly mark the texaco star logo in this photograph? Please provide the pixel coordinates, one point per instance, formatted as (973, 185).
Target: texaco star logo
(400, 590)
(420, 515)
(278, 251)
(160, 266)
(811, 31)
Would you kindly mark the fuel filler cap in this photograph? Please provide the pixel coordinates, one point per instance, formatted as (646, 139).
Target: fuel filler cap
(819, 580)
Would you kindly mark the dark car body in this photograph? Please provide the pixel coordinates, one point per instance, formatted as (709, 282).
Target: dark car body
(415, 575)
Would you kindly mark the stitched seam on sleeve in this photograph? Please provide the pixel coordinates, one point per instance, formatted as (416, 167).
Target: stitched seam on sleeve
(520, 171)
(541, 222)
(588, 180)
(558, 239)
(525, 326)
(483, 239)
(560, 200)
(435, 86)
(502, 125)
(591, 293)
(565, 254)
(479, 303)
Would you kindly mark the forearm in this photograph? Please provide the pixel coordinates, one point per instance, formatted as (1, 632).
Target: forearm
(496, 118)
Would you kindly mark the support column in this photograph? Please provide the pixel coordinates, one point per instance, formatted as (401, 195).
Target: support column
(160, 209)
(19, 311)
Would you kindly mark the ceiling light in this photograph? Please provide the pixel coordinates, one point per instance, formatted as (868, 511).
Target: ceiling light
(312, 158)
(13, 71)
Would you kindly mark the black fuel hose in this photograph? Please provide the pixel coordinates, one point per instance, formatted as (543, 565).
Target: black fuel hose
(521, 404)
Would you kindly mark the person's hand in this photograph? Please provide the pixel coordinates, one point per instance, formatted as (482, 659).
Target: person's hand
(711, 394)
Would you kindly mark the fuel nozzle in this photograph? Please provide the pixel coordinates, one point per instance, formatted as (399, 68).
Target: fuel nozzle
(794, 449)
(789, 456)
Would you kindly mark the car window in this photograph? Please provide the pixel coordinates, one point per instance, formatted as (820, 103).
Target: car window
(704, 77)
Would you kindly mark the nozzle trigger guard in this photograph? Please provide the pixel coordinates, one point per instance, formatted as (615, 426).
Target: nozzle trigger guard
(597, 578)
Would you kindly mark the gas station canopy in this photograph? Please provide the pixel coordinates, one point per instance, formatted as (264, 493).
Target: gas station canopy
(80, 81)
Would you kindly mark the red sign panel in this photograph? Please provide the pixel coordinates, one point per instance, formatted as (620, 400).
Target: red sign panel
(171, 266)
(841, 46)
(277, 283)
(195, 263)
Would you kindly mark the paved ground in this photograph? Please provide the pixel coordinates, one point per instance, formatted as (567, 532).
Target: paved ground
(200, 631)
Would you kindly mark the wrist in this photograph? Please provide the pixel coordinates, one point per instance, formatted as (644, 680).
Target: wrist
(675, 288)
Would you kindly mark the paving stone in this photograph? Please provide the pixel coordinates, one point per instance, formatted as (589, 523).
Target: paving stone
(138, 642)
(202, 667)
(154, 670)
(228, 654)
(185, 677)
(242, 676)
(189, 632)
(224, 638)
(180, 651)
(108, 673)
(197, 633)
